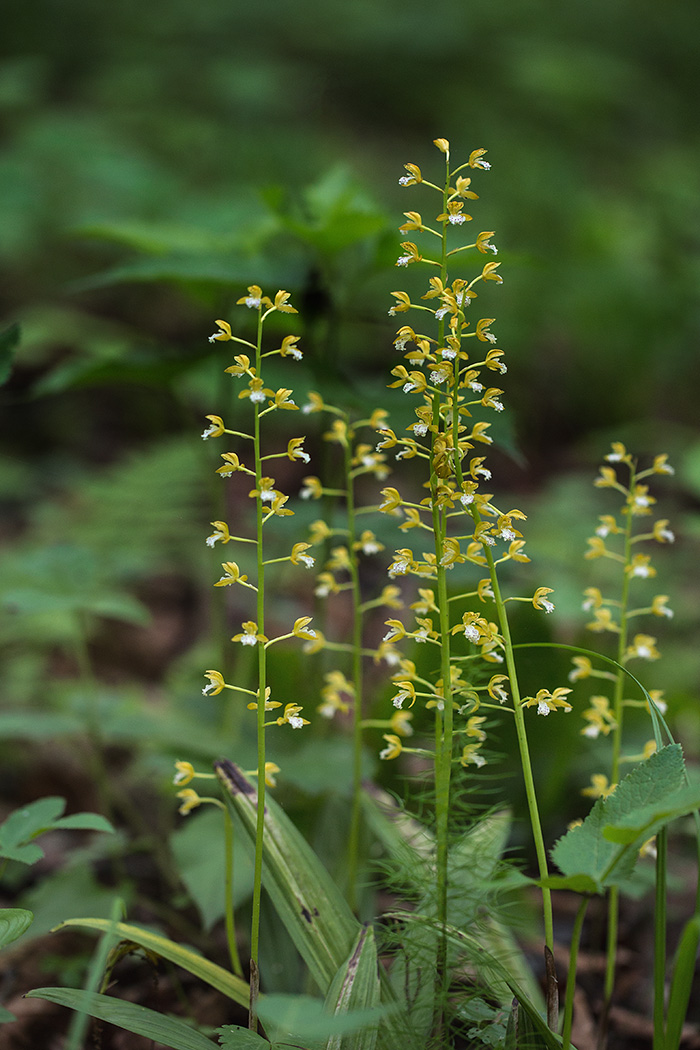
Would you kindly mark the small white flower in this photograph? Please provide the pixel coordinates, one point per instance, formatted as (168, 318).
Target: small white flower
(603, 531)
(507, 534)
(257, 396)
(641, 570)
(327, 710)
(267, 495)
(591, 731)
(471, 633)
(296, 722)
(448, 353)
(466, 498)
(248, 639)
(456, 220)
(542, 708)
(476, 387)
(403, 260)
(497, 405)
(252, 302)
(307, 560)
(546, 605)
(438, 376)
(408, 387)
(210, 430)
(406, 180)
(441, 312)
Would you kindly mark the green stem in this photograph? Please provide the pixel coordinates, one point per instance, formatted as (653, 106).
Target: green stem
(660, 939)
(357, 679)
(618, 709)
(262, 681)
(571, 977)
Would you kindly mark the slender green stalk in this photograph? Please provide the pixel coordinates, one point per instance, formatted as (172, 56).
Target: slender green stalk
(262, 681)
(660, 940)
(571, 977)
(619, 709)
(357, 679)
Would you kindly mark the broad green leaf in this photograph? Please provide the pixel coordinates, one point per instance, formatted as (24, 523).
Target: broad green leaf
(642, 823)
(294, 1018)
(168, 1031)
(198, 847)
(13, 923)
(37, 818)
(9, 341)
(6, 1015)
(356, 987)
(226, 983)
(69, 893)
(586, 854)
(233, 1037)
(308, 902)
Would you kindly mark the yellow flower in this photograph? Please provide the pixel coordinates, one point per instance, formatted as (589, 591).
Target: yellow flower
(582, 668)
(640, 566)
(232, 574)
(659, 607)
(644, 647)
(241, 367)
(301, 628)
(282, 304)
(221, 533)
(475, 159)
(547, 701)
(215, 429)
(299, 557)
(190, 801)
(661, 531)
(249, 635)
(254, 299)
(473, 727)
(315, 403)
(401, 723)
(282, 399)
(600, 788)
(496, 689)
(414, 175)
(392, 500)
(292, 716)
(394, 748)
(184, 773)
(295, 451)
(482, 242)
(443, 145)
(540, 601)
(289, 347)
(270, 769)
(599, 717)
(216, 683)
(471, 756)
(230, 465)
(406, 691)
(224, 334)
(313, 489)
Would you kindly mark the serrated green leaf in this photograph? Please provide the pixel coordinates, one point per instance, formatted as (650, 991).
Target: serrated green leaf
(9, 341)
(308, 902)
(226, 983)
(168, 1031)
(233, 1037)
(13, 923)
(587, 853)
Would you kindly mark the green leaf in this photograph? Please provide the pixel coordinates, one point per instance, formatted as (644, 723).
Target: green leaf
(226, 983)
(233, 1037)
(356, 987)
(168, 1031)
(37, 818)
(198, 847)
(9, 341)
(587, 856)
(681, 982)
(13, 923)
(308, 902)
(301, 1017)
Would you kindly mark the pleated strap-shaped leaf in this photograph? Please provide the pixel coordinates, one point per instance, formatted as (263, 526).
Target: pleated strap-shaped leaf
(226, 983)
(309, 904)
(681, 982)
(356, 987)
(167, 1031)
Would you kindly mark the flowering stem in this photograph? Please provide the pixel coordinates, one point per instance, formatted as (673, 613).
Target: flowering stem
(618, 708)
(354, 832)
(262, 678)
(571, 978)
